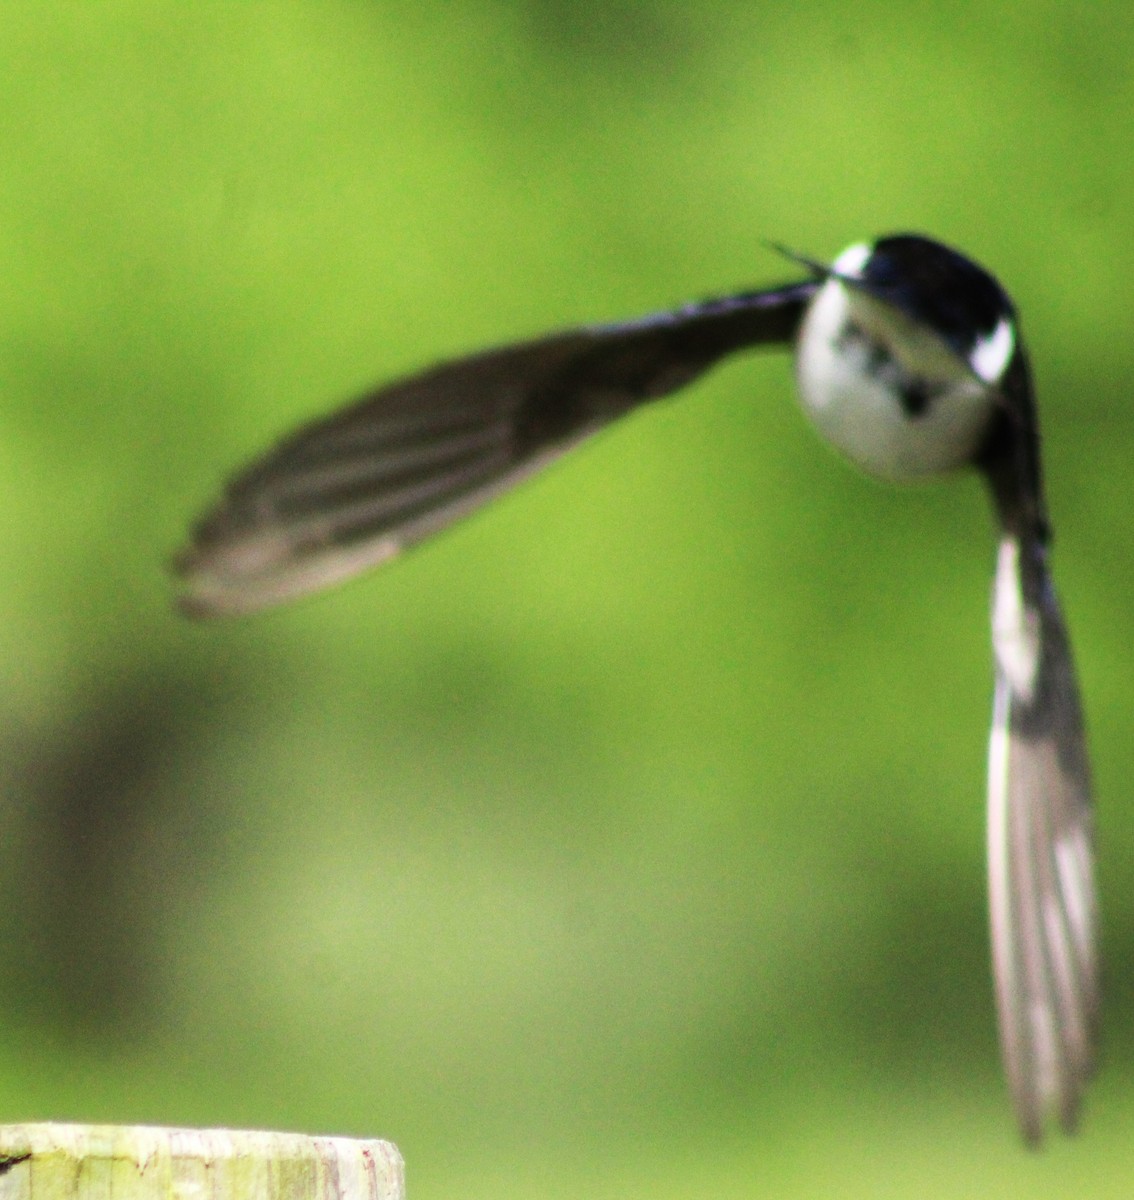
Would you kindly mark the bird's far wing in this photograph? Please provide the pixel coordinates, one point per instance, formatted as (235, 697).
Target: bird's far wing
(352, 490)
(1040, 823)
(1041, 867)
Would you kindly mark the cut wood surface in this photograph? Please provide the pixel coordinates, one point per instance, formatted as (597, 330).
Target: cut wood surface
(137, 1162)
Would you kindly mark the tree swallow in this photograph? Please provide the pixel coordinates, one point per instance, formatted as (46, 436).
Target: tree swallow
(909, 360)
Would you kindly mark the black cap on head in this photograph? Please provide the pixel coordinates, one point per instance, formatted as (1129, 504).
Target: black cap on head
(937, 286)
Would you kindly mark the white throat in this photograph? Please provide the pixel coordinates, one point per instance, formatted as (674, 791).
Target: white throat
(890, 394)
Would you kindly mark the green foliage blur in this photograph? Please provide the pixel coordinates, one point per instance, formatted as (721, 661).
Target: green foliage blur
(628, 839)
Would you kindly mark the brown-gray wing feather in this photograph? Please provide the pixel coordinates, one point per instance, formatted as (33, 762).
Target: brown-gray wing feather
(1041, 867)
(352, 490)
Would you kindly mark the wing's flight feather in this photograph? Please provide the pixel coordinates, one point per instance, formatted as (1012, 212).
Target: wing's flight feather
(352, 490)
(1040, 850)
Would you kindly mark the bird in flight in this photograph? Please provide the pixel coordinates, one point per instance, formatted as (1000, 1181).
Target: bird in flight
(909, 359)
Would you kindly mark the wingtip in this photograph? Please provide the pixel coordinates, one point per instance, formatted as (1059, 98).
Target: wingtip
(200, 598)
(233, 575)
(222, 579)
(1034, 1120)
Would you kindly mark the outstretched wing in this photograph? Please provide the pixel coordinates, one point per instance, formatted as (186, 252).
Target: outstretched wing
(352, 490)
(1041, 868)
(1041, 837)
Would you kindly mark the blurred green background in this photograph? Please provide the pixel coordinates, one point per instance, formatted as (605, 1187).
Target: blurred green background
(627, 840)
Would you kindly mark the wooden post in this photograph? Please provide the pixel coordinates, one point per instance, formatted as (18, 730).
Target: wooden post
(138, 1162)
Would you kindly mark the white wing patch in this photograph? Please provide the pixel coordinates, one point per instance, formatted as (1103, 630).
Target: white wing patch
(992, 354)
(1015, 626)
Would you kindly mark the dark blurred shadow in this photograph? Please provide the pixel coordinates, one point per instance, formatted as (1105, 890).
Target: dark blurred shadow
(107, 848)
(655, 39)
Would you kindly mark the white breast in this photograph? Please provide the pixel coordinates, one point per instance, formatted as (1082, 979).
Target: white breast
(856, 356)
